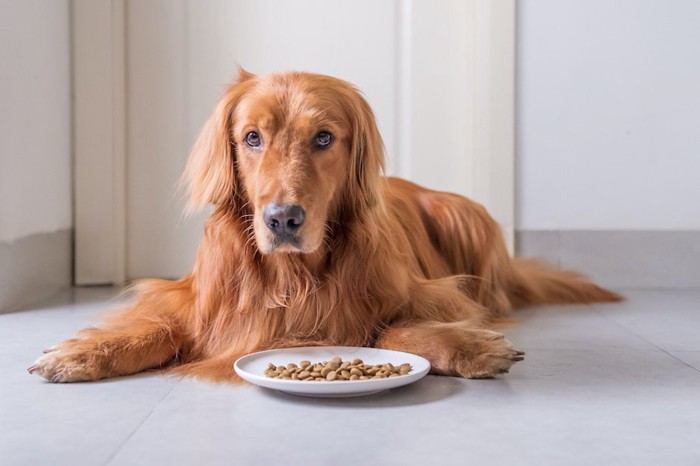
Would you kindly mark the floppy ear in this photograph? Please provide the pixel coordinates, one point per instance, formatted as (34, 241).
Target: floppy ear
(366, 153)
(210, 174)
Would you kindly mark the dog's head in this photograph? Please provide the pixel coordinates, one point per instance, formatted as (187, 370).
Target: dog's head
(290, 153)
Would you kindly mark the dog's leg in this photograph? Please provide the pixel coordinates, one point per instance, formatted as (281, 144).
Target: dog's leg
(143, 337)
(448, 328)
(100, 353)
(455, 348)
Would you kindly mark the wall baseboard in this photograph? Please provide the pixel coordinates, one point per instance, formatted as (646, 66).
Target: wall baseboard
(34, 268)
(620, 259)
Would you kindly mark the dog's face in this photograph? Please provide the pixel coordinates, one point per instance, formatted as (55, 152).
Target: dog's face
(288, 153)
(292, 151)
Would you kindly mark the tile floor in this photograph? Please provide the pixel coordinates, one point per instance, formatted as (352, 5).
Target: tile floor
(601, 385)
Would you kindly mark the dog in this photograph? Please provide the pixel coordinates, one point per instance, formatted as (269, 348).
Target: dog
(308, 244)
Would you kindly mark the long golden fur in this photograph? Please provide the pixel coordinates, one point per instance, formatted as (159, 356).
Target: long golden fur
(377, 261)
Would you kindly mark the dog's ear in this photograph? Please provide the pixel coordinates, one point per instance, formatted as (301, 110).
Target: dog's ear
(210, 175)
(366, 154)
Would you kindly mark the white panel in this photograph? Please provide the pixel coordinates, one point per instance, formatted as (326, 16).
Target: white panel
(35, 133)
(98, 118)
(457, 100)
(492, 170)
(161, 242)
(609, 115)
(351, 39)
(439, 133)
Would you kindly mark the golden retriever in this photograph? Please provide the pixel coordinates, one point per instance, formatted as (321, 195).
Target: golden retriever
(308, 244)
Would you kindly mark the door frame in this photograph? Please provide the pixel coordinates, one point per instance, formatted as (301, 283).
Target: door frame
(99, 121)
(98, 41)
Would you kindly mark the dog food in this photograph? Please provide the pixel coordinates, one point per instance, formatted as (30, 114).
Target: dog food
(335, 370)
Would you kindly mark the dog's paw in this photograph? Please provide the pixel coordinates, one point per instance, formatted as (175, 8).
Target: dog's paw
(487, 355)
(66, 363)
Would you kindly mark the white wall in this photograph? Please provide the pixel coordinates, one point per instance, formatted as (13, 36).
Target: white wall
(608, 115)
(35, 134)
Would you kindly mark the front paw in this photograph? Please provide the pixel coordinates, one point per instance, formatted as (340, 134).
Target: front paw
(66, 362)
(488, 354)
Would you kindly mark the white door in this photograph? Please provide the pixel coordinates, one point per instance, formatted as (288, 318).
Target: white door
(439, 76)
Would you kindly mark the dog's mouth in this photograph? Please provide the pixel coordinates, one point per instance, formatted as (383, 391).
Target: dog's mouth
(286, 244)
(303, 242)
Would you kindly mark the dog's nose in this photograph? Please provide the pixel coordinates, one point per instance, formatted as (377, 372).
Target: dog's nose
(284, 219)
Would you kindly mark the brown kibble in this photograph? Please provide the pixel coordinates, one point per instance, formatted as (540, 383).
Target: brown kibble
(335, 370)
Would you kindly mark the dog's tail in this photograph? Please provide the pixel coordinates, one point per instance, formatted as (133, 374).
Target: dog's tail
(533, 282)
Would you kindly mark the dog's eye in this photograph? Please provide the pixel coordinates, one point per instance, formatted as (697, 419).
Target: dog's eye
(323, 139)
(252, 139)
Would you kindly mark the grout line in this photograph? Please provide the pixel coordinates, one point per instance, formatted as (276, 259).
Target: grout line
(143, 421)
(631, 332)
(676, 357)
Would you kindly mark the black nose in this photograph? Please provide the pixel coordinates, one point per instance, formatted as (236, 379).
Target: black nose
(284, 219)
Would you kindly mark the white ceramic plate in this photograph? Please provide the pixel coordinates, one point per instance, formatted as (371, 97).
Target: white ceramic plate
(252, 367)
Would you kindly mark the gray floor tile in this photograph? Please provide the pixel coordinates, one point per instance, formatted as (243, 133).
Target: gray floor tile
(601, 405)
(598, 387)
(71, 424)
(669, 320)
(692, 358)
(582, 328)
